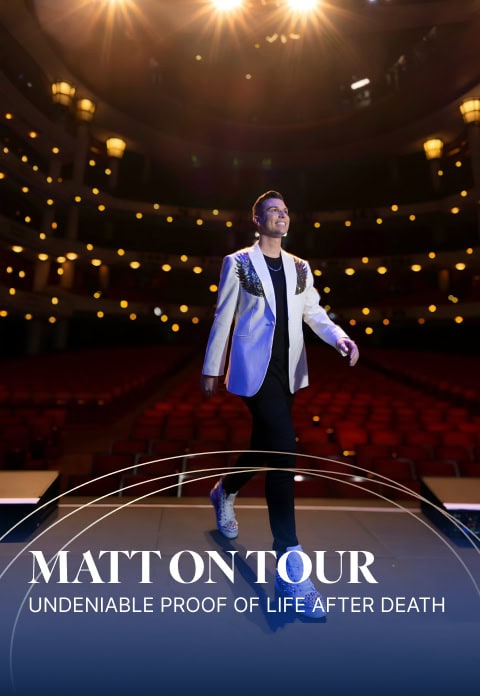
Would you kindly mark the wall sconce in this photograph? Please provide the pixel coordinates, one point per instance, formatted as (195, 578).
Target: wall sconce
(63, 93)
(115, 147)
(470, 110)
(433, 148)
(85, 110)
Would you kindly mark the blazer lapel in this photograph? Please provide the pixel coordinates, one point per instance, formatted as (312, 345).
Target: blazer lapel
(290, 276)
(263, 273)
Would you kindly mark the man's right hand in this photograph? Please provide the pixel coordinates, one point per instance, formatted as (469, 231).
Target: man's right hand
(208, 385)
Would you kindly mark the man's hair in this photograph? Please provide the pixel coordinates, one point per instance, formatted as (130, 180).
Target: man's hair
(264, 197)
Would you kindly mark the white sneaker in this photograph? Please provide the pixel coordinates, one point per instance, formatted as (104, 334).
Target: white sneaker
(223, 505)
(308, 601)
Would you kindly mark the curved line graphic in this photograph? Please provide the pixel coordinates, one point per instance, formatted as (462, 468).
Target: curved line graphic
(314, 472)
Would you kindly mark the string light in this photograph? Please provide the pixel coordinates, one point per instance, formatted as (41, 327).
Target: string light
(350, 271)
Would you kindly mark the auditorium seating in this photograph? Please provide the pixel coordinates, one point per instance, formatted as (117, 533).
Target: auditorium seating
(359, 425)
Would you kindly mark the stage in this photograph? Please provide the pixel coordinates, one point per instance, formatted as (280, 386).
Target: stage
(177, 621)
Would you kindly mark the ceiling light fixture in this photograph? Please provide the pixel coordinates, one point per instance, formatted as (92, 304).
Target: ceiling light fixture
(358, 84)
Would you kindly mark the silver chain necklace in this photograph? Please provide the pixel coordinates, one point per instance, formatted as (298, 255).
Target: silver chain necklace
(274, 269)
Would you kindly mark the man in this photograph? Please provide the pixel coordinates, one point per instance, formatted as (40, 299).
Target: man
(267, 293)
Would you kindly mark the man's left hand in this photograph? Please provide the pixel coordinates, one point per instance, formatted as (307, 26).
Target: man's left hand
(348, 348)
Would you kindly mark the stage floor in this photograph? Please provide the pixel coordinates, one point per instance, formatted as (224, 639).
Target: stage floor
(411, 623)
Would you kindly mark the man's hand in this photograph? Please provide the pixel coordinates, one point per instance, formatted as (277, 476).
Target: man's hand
(208, 385)
(348, 348)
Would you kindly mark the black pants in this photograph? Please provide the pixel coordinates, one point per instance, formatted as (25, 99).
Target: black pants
(272, 429)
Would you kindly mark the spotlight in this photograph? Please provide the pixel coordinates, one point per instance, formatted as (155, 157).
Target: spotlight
(226, 5)
(302, 5)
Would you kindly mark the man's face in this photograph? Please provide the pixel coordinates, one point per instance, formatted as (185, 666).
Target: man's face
(272, 219)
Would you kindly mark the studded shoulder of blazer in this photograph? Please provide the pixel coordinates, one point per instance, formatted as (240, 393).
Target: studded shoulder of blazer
(247, 275)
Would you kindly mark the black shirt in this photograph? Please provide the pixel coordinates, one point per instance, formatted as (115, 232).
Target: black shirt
(279, 360)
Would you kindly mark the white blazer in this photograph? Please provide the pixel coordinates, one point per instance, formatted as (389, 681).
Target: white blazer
(246, 298)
